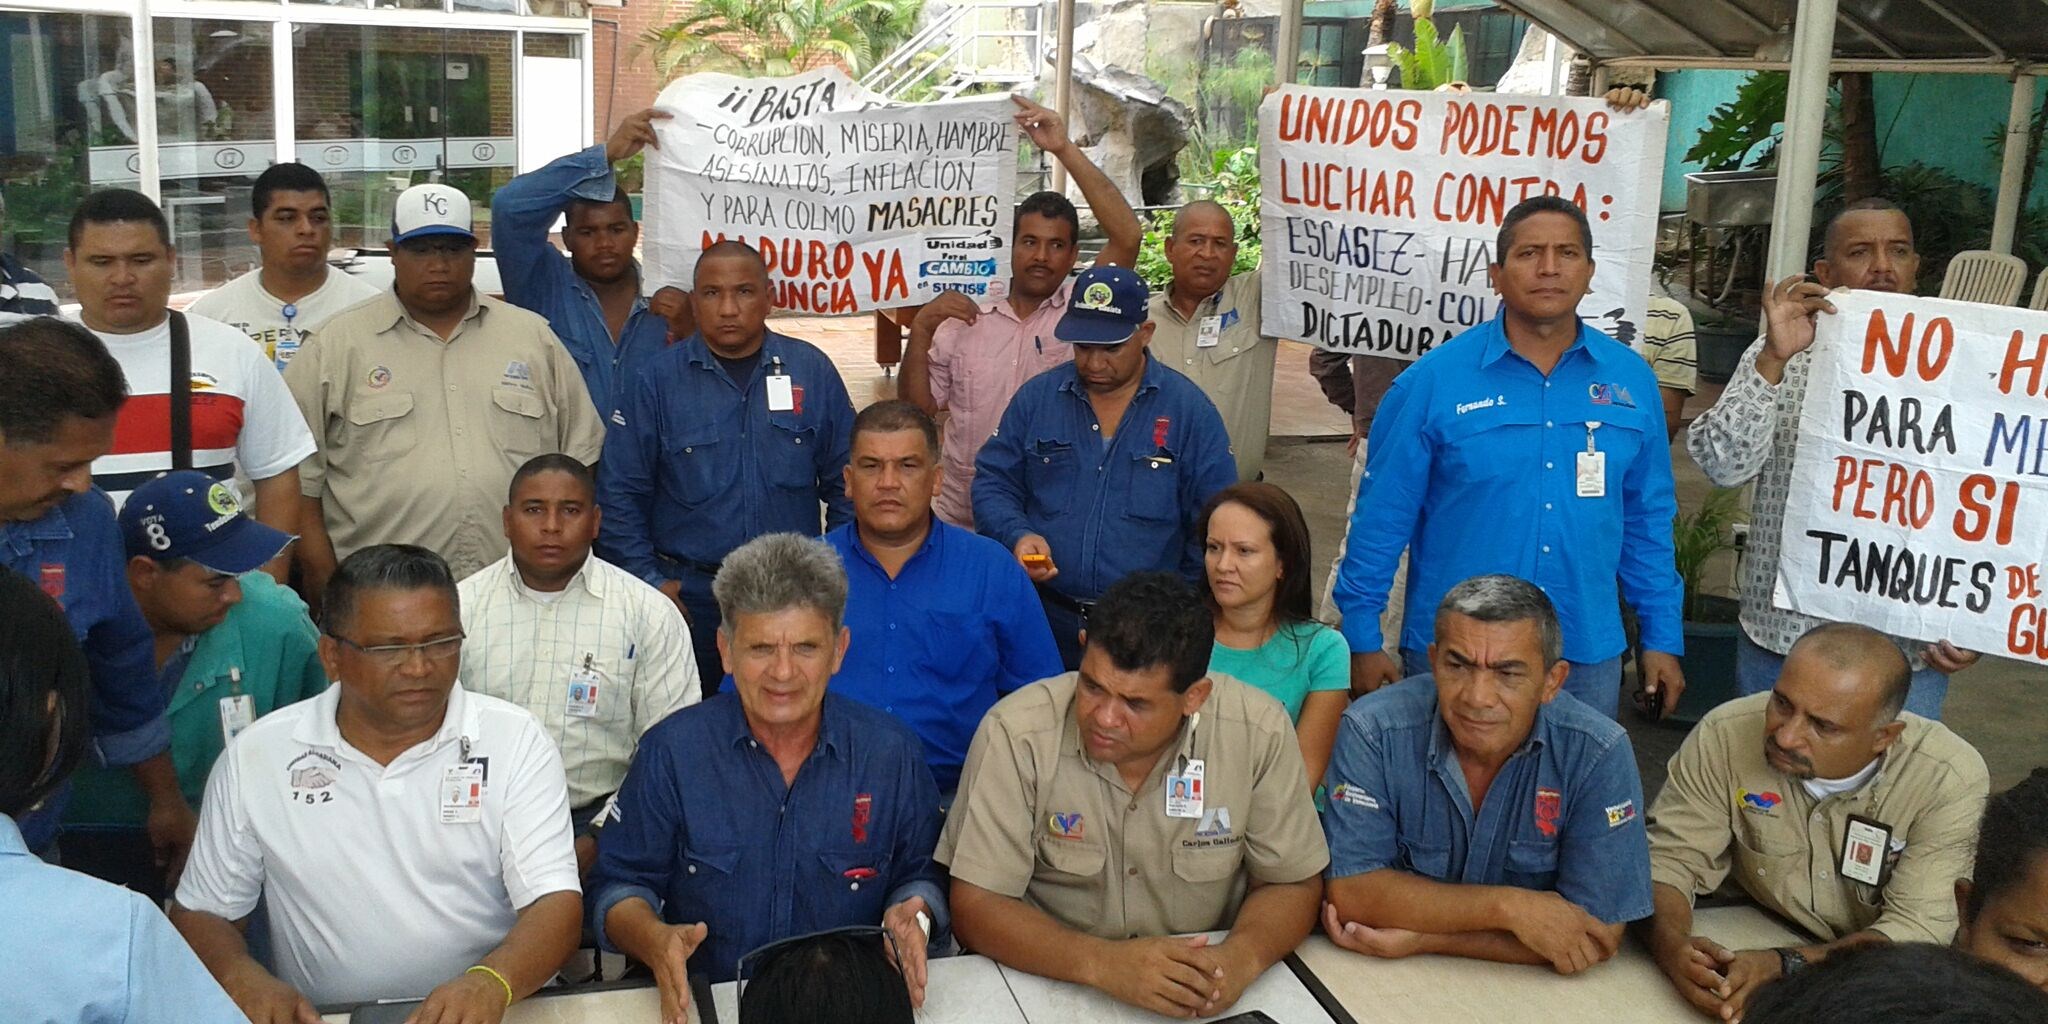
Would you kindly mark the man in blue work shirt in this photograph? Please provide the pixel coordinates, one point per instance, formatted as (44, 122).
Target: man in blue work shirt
(943, 621)
(1532, 445)
(593, 297)
(1521, 837)
(775, 810)
(232, 645)
(1100, 467)
(734, 433)
(58, 400)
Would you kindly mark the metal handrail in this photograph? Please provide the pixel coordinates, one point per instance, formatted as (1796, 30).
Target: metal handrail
(902, 69)
(915, 45)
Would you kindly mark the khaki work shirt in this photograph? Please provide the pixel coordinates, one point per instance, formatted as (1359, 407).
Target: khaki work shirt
(1725, 811)
(1037, 820)
(419, 437)
(1236, 372)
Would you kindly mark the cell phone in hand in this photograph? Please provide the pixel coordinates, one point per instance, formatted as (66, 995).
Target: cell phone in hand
(384, 1013)
(1248, 1017)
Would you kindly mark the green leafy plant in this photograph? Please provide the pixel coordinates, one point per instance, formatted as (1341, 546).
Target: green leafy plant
(1744, 131)
(1433, 61)
(781, 37)
(1698, 537)
(1233, 180)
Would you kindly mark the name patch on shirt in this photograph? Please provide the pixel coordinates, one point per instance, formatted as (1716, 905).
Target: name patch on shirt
(1496, 402)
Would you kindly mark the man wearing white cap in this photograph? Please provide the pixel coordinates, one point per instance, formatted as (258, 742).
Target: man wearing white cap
(426, 400)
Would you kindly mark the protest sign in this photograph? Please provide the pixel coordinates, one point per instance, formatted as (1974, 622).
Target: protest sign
(854, 203)
(1380, 208)
(1921, 481)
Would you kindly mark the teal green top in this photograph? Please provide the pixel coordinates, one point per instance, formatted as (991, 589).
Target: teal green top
(1300, 659)
(267, 643)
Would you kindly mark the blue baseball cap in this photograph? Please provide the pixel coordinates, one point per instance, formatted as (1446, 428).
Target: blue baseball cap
(187, 514)
(1109, 304)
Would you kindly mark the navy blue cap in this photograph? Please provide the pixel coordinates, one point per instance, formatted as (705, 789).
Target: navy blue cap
(187, 514)
(1109, 304)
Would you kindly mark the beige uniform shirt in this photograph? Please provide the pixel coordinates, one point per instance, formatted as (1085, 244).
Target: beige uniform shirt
(1037, 820)
(419, 438)
(1725, 811)
(1236, 372)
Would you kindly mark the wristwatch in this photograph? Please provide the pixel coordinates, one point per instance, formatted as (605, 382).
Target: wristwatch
(1790, 961)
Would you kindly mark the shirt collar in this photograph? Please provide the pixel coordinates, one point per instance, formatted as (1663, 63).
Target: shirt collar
(698, 351)
(219, 648)
(1207, 306)
(1497, 347)
(51, 525)
(831, 726)
(931, 542)
(592, 583)
(1054, 303)
(319, 727)
(1442, 748)
(396, 313)
(11, 842)
(1148, 382)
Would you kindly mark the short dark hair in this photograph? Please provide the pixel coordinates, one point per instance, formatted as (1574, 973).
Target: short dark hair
(837, 976)
(618, 198)
(383, 567)
(118, 206)
(552, 462)
(1049, 204)
(891, 415)
(54, 369)
(285, 177)
(39, 655)
(1863, 205)
(1528, 208)
(1149, 619)
(1853, 645)
(1272, 503)
(1899, 983)
(2014, 834)
(729, 249)
(1499, 597)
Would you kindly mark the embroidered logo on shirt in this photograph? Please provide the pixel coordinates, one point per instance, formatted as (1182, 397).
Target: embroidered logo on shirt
(516, 370)
(1758, 803)
(619, 417)
(204, 381)
(1549, 804)
(1610, 394)
(1229, 319)
(379, 378)
(1215, 824)
(863, 809)
(52, 580)
(1066, 826)
(1621, 814)
(313, 770)
(1346, 793)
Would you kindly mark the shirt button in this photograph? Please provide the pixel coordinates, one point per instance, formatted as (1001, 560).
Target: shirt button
(692, 869)
(800, 441)
(1546, 549)
(892, 625)
(855, 886)
(687, 451)
(1095, 426)
(1550, 465)
(1547, 424)
(1133, 807)
(892, 670)
(1546, 383)
(1546, 506)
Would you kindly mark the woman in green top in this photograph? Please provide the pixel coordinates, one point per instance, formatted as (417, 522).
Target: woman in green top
(1256, 561)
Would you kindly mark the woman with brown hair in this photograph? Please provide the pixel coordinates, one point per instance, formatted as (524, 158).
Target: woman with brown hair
(1256, 564)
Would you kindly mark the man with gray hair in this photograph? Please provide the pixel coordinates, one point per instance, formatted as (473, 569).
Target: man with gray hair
(775, 808)
(1521, 839)
(1827, 803)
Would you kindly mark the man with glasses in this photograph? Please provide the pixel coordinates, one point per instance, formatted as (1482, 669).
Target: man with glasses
(409, 839)
(1206, 325)
(426, 399)
(775, 808)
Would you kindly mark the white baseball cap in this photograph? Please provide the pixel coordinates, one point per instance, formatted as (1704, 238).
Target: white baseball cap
(430, 209)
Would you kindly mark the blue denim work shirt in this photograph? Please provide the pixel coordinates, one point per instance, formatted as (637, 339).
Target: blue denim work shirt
(695, 464)
(959, 627)
(539, 277)
(1471, 465)
(75, 553)
(1106, 511)
(1564, 815)
(705, 830)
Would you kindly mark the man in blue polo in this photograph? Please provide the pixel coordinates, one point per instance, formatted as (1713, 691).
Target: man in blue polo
(735, 432)
(231, 645)
(592, 297)
(58, 399)
(1532, 445)
(1100, 467)
(1521, 837)
(943, 621)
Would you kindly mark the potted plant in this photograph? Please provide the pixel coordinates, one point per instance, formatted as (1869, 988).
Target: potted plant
(1712, 629)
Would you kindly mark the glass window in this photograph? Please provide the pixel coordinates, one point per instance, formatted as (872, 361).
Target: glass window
(216, 130)
(552, 44)
(552, 8)
(382, 109)
(66, 127)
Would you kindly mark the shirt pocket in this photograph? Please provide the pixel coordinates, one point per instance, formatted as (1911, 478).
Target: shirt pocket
(1153, 488)
(1430, 860)
(696, 465)
(1051, 468)
(853, 886)
(1208, 865)
(1531, 864)
(519, 423)
(710, 884)
(790, 459)
(382, 427)
(1071, 869)
(1768, 864)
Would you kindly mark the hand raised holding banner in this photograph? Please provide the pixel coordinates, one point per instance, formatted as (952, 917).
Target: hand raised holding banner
(1789, 320)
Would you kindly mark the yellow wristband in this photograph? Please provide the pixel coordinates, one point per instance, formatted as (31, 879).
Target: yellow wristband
(480, 968)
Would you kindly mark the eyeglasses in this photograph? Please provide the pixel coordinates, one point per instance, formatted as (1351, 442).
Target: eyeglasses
(392, 656)
(753, 960)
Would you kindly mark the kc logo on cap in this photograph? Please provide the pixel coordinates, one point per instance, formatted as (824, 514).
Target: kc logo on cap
(431, 209)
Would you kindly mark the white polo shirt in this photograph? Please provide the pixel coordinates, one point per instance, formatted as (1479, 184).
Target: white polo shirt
(369, 895)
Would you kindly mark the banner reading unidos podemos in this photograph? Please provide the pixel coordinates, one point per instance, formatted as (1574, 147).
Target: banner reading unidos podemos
(1920, 488)
(1380, 208)
(855, 203)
